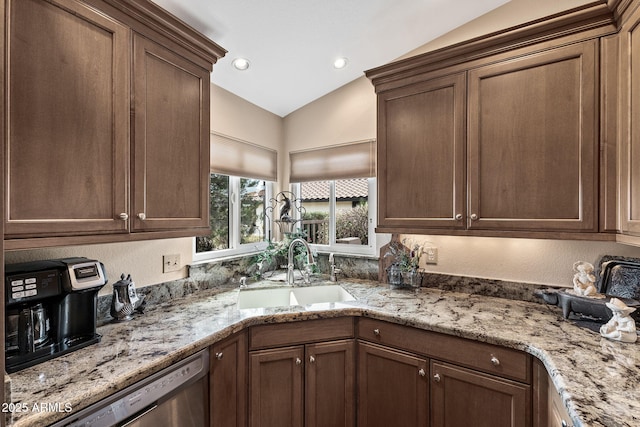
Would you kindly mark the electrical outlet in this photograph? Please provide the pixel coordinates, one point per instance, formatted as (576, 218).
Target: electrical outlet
(170, 263)
(432, 255)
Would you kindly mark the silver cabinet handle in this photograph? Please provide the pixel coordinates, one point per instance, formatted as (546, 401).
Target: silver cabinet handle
(312, 359)
(437, 378)
(474, 217)
(422, 372)
(459, 217)
(495, 361)
(298, 361)
(219, 356)
(124, 216)
(376, 332)
(142, 216)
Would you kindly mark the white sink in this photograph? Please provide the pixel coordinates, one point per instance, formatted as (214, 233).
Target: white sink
(318, 294)
(282, 297)
(261, 298)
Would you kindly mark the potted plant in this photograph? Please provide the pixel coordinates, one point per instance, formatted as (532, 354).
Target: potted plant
(404, 270)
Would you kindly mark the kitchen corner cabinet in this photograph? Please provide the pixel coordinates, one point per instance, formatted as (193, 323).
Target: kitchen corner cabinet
(108, 118)
(500, 145)
(228, 382)
(393, 387)
(302, 374)
(431, 379)
(630, 126)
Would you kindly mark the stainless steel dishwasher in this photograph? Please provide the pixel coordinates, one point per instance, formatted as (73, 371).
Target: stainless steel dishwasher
(176, 396)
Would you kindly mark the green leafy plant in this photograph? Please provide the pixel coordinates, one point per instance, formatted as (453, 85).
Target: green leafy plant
(276, 254)
(406, 255)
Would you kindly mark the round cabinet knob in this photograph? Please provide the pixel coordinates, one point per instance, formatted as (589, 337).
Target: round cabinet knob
(422, 372)
(298, 361)
(124, 216)
(459, 217)
(376, 332)
(219, 356)
(474, 217)
(312, 359)
(142, 216)
(495, 361)
(437, 378)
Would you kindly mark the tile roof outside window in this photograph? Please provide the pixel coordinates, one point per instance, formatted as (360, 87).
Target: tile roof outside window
(348, 189)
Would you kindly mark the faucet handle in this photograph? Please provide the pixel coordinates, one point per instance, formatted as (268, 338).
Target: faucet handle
(331, 258)
(243, 282)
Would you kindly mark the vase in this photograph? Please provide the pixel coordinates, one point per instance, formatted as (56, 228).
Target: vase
(394, 276)
(412, 278)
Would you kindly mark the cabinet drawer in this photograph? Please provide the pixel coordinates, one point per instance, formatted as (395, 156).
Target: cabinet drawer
(484, 357)
(275, 335)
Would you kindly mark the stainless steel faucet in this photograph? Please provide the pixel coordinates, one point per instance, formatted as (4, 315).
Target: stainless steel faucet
(334, 270)
(290, 278)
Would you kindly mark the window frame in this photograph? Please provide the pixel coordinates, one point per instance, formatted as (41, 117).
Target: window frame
(343, 248)
(235, 247)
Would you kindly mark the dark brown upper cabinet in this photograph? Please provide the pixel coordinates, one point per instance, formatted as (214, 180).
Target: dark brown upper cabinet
(501, 135)
(108, 123)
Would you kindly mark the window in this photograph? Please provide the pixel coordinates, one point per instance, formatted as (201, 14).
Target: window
(238, 222)
(339, 214)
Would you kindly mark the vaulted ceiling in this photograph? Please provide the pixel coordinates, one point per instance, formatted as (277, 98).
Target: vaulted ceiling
(292, 44)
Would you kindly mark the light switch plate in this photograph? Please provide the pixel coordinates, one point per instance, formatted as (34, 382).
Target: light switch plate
(171, 263)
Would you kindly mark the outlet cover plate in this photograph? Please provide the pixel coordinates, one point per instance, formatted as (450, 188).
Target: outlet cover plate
(171, 263)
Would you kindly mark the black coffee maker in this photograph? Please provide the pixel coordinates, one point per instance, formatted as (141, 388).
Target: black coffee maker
(51, 309)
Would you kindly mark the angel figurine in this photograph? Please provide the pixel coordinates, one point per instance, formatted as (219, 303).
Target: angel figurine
(584, 279)
(621, 327)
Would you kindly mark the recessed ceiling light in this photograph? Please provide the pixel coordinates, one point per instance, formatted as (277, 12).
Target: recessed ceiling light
(240, 64)
(340, 63)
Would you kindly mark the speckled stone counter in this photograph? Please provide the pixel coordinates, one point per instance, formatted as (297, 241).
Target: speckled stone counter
(598, 380)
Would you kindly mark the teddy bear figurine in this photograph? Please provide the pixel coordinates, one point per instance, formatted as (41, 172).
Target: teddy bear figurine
(584, 279)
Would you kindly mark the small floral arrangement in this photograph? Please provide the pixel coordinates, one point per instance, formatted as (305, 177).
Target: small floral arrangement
(406, 255)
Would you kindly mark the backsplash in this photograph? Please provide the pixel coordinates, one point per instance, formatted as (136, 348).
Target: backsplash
(227, 273)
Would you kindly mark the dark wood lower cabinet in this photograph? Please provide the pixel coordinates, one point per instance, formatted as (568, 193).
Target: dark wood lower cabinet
(312, 385)
(393, 388)
(228, 382)
(330, 384)
(276, 387)
(347, 382)
(463, 397)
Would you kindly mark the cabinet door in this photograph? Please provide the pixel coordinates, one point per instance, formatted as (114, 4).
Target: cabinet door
(630, 125)
(67, 148)
(228, 382)
(171, 140)
(276, 387)
(533, 148)
(461, 397)
(393, 389)
(421, 153)
(330, 384)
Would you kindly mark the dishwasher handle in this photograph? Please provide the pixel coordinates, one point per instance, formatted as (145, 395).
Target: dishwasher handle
(140, 415)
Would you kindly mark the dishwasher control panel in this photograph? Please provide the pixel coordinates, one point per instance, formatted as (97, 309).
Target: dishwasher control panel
(142, 397)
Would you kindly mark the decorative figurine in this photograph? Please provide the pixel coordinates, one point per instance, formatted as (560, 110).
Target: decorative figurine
(286, 208)
(621, 327)
(125, 300)
(584, 279)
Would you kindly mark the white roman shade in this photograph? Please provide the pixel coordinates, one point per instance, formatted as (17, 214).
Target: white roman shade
(345, 161)
(230, 156)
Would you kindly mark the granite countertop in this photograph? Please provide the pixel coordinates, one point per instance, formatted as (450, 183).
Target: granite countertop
(599, 380)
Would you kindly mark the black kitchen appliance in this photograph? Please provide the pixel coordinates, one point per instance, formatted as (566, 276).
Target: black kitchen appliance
(50, 309)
